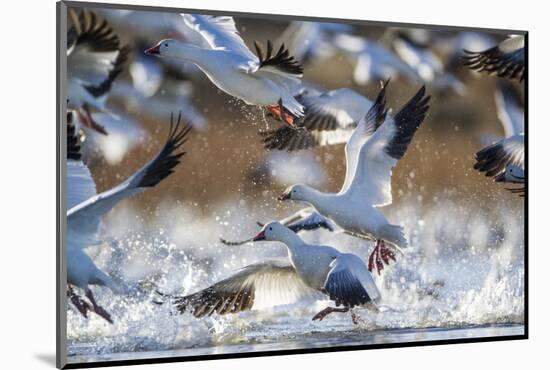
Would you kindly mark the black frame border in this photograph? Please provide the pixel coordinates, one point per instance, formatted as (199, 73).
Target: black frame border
(61, 278)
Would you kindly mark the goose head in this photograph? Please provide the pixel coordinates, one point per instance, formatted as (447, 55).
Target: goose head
(164, 48)
(295, 192)
(272, 231)
(511, 174)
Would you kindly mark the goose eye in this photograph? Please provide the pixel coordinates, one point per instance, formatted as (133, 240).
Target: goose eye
(270, 228)
(166, 45)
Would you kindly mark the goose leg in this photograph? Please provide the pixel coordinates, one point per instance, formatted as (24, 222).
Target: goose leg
(97, 308)
(279, 113)
(87, 120)
(82, 306)
(380, 255)
(327, 311)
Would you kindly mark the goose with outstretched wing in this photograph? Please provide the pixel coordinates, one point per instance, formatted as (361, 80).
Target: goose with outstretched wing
(372, 151)
(504, 159)
(85, 209)
(311, 271)
(269, 80)
(95, 58)
(506, 59)
(331, 118)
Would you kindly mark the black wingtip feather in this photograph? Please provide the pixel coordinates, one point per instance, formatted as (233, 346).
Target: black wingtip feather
(407, 121)
(281, 60)
(105, 86)
(378, 112)
(492, 159)
(492, 61)
(164, 163)
(89, 29)
(286, 138)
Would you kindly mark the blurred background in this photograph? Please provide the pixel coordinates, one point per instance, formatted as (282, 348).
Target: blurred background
(466, 232)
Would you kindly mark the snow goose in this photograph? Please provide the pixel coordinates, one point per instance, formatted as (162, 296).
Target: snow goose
(85, 210)
(506, 154)
(506, 59)
(310, 271)
(311, 42)
(373, 61)
(373, 150)
(331, 118)
(428, 66)
(303, 220)
(268, 81)
(513, 175)
(94, 60)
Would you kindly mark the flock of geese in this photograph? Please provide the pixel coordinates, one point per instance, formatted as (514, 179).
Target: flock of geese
(375, 139)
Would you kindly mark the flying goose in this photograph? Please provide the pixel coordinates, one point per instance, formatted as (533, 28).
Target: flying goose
(94, 60)
(506, 59)
(373, 150)
(507, 154)
(268, 80)
(86, 208)
(331, 118)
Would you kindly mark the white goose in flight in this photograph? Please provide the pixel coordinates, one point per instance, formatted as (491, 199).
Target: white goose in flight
(85, 210)
(94, 60)
(506, 59)
(313, 271)
(376, 145)
(505, 158)
(331, 118)
(269, 81)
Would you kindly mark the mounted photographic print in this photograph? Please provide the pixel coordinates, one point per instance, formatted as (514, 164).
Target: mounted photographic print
(234, 184)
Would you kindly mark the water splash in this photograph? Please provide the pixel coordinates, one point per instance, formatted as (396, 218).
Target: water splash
(464, 267)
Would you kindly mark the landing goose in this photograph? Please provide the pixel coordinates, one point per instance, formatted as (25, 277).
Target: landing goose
(303, 220)
(506, 153)
(94, 60)
(85, 209)
(310, 271)
(331, 118)
(506, 59)
(269, 80)
(373, 150)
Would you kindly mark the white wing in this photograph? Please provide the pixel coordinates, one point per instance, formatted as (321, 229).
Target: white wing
(261, 284)
(80, 184)
(84, 219)
(509, 111)
(219, 32)
(349, 282)
(379, 154)
(365, 129)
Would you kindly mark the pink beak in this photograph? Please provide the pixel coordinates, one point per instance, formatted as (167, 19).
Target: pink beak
(155, 50)
(260, 236)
